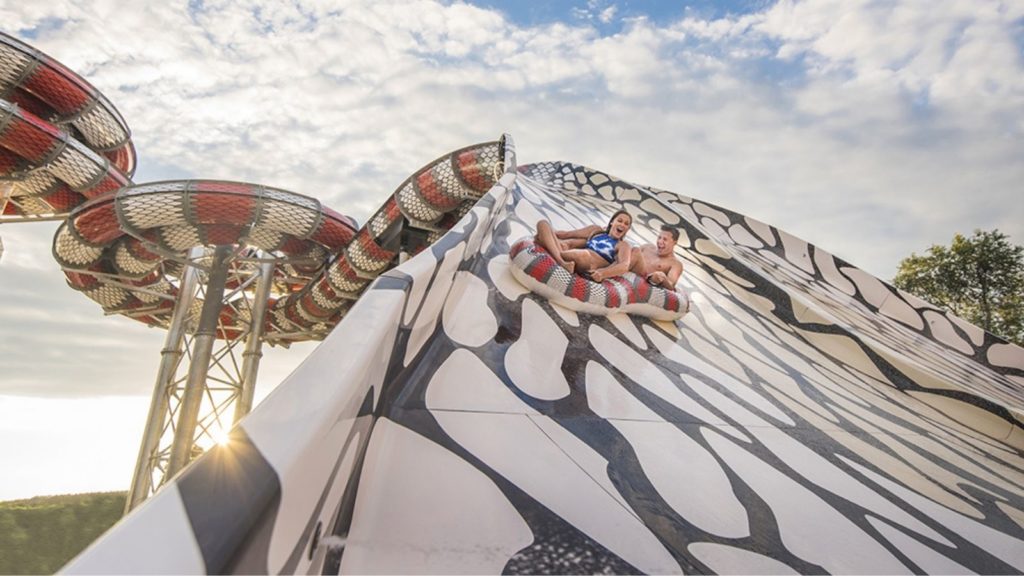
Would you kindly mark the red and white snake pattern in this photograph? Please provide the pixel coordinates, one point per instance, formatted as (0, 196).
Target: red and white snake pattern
(534, 267)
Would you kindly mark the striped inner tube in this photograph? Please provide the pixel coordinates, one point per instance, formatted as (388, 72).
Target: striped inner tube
(534, 267)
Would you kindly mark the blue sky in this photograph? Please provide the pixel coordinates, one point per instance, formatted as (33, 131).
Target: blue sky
(870, 129)
(659, 12)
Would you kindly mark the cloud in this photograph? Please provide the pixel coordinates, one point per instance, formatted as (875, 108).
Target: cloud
(872, 130)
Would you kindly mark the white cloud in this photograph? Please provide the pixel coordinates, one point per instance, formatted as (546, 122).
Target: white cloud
(870, 129)
(608, 14)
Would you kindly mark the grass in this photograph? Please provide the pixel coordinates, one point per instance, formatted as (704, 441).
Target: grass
(41, 534)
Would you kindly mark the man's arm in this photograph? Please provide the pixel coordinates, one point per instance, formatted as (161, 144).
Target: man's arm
(667, 280)
(674, 273)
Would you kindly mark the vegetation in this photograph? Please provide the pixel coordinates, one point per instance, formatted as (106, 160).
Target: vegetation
(40, 535)
(980, 279)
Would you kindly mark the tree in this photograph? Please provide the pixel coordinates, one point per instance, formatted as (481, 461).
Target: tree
(980, 279)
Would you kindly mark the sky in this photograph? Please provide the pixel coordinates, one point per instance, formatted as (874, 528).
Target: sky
(870, 129)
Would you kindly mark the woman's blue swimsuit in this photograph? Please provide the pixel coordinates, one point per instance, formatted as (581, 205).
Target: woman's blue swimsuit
(604, 245)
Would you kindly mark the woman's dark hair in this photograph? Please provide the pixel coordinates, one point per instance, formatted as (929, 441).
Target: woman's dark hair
(608, 229)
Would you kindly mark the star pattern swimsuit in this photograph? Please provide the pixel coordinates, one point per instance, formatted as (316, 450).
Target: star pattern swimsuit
(604, 245)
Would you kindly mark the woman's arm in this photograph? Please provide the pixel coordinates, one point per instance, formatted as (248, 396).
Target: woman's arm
(578, 234)
(617, 268)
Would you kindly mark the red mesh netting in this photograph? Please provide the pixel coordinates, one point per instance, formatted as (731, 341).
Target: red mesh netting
(212, 186)
(236, 209)
(54, 86)
(31, 103)
(110, 182)
(98, 225)
(334, 232)
(475, 174)
(63, 199)
(430, 188)
(29, 137)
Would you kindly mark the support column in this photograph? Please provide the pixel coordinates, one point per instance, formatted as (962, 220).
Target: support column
(142, 480)
(6, 189)
(206, 334)
(254, 345)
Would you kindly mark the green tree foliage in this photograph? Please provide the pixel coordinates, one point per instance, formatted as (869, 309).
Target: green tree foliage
(40, 535)
(980, 279)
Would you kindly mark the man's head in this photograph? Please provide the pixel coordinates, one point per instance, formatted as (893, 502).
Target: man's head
(667, 239)
(619, 225)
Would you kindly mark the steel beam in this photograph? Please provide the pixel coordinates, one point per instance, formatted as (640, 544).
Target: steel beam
(149, 456)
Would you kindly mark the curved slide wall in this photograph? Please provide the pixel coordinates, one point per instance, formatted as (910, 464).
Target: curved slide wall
(803, 418)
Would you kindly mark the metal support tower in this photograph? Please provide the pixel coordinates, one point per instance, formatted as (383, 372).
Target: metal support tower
(202, 389)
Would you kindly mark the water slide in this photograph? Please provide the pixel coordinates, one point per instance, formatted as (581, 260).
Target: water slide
(803, 417)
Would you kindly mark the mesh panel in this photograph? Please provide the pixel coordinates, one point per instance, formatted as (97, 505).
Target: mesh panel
(78, 166)
(71, 251)
(63, 199)
(80, 281)
(266, 239)
(435, 235)
(314, 258)
(123, 157)
(412, 204)
(334, 231)
(53, 85)
(242, 317)
(325, 297)
(145, 211)
(365, 256)
(343, 277)
(12, 64)
(279, 320)
(384, 218)
(98, 224)
(307, 311)
(439, 187)
(109, 181)
(476, 168)
(140, 189)
(101, 129)
(161, 286)
(129, 264)
(31, 206)
(141, 251)
(180, 238)
(36, 183)
(11, 163)
(27, 136)
(195, 309)
(292, 198)
(288, 217)
(220, 208)
(109, 297)
(544, 171)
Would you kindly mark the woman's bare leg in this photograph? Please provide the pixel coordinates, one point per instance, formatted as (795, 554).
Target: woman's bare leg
(584, 260)
(546, 239)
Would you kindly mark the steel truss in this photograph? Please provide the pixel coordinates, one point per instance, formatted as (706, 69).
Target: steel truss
(207, 373)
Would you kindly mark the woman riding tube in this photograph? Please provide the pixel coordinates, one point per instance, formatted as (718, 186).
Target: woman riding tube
(592, 251)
